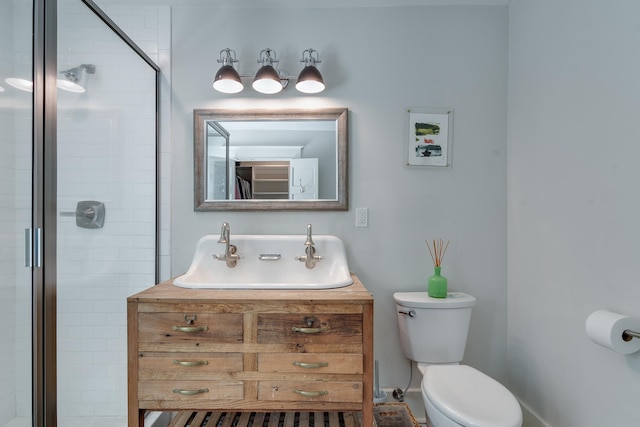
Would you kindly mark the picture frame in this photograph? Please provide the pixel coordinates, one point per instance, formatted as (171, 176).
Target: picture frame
(429, 137)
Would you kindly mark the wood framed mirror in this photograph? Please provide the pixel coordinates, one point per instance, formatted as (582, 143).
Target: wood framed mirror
(286, 159)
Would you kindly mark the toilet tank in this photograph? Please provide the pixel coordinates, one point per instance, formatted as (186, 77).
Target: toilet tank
(433, 330)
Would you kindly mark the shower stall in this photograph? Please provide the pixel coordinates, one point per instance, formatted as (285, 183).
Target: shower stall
(78, 209)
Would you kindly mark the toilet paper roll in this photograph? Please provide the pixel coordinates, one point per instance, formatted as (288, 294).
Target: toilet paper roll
(606, 328)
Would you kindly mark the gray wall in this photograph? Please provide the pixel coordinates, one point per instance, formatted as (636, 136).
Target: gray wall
(574, 204)
(377, 62)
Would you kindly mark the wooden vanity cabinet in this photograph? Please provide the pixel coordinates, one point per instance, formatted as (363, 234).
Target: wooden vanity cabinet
(246, 350)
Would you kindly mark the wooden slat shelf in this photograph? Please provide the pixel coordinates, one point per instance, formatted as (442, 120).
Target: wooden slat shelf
(385, 415)
(266, 419)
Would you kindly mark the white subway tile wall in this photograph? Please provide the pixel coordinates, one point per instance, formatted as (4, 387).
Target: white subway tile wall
(15, 212)
(107, 153)
(7, 225)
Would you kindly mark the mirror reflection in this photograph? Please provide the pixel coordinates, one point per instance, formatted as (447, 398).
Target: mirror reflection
(283, 159)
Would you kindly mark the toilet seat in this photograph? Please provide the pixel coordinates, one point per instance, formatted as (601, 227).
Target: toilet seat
(469, 397)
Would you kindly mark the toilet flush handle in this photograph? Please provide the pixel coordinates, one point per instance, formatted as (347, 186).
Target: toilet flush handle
(410, 313)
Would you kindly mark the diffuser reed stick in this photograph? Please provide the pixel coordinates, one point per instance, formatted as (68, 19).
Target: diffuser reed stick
(439, 249)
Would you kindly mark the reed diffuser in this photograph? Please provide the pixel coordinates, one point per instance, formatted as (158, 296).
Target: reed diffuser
(437, 284)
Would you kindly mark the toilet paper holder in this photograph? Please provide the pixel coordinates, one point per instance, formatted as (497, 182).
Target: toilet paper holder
(628, 335)
(614, 331)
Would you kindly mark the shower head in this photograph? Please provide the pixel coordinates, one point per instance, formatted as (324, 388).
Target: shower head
(74, 74)
(72, 77)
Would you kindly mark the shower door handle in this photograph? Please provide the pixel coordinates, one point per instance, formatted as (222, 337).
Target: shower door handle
(33, 247)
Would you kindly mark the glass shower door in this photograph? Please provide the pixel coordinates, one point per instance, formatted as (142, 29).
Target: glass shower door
(16, 118)
(106, 201)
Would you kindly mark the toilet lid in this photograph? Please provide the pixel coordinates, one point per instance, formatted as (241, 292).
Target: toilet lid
(423, 300)
(469, 397)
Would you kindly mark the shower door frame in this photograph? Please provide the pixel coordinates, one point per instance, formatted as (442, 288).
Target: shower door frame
(44, 203)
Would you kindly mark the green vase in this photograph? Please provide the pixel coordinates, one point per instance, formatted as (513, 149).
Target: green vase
(437, 285)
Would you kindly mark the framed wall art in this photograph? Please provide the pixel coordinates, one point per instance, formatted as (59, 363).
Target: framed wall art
(429, 137)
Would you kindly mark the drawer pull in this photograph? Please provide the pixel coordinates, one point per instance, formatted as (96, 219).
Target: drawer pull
(309, 330)
(310, 365)
(190, 363)
(190, 329)
(310, 393)
(191, 392)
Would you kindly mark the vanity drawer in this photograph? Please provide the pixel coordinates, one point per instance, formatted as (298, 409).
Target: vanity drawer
(179, 327)
(188, 366)
(310, 363)
(190, 391)
(310, 328)
(310, 391)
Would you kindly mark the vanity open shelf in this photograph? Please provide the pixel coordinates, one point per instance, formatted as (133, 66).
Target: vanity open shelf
(250, 350)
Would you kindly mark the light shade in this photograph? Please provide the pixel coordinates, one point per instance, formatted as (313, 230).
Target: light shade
(267, 80)
(227, 80)
(310, 80)
(20, 84)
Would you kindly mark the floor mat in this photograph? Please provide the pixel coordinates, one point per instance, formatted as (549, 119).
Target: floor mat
(393, 415)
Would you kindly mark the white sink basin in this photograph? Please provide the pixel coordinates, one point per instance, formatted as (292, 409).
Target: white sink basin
(268, 262)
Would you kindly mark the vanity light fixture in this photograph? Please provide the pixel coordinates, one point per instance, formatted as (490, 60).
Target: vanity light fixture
(268, 79)
(227, 79)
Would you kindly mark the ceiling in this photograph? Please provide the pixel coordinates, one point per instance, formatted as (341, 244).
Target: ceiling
(307, 3)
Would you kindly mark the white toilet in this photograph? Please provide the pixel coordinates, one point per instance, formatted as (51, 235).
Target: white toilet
(433, 332)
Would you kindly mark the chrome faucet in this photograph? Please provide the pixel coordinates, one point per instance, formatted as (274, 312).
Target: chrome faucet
(309, 258)
(230, 256)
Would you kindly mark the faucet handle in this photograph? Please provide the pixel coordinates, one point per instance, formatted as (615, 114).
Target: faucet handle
(309, 241)
(224, 233)
(309, 258)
